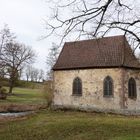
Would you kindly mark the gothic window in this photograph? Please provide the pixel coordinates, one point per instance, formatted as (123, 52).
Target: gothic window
(77, 86)
(132, 88)
(108, 86)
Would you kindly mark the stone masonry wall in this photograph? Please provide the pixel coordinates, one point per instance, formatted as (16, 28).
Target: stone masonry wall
(132, 104)
(92, 83)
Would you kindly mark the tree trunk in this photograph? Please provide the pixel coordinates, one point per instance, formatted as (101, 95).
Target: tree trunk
(10, 89)
(27, 79)
(11, 85)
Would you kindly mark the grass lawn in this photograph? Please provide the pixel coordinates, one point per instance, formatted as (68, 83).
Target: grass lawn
(59, 125)
(25, 96)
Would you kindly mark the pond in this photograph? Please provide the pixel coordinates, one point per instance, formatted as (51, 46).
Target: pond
(16, 114)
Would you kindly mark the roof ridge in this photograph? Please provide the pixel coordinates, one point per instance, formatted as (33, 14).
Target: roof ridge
(94, 39)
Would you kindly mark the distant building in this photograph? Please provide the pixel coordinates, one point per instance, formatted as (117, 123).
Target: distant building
(98, 75)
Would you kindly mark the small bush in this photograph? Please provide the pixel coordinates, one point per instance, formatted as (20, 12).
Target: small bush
(3, 90)
(48, 92)
(3, 93)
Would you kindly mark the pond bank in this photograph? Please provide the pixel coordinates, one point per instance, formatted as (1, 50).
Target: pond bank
(21, 107)
(4, 117)
(15, 116)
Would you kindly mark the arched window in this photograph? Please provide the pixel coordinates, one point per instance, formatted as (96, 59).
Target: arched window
(108, 86)
(77, 86)
(132, 88)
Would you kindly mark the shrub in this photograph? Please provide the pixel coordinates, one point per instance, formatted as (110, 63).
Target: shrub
(48, 92)
(3, 93)
(3, 90)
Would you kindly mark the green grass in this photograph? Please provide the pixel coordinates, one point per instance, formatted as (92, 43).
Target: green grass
(25, 96)
(59, 125)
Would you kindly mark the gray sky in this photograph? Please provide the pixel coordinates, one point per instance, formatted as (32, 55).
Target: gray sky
(25, 19)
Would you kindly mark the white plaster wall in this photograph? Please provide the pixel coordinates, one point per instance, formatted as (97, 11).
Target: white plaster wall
(92, 83)
(132, 104)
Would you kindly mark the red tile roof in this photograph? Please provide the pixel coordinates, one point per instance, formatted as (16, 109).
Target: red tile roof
(97, 53)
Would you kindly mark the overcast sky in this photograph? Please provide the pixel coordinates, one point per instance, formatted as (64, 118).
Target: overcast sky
(25, 19)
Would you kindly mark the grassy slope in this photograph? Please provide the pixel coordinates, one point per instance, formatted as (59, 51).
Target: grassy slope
(50, 125)
(25, 96)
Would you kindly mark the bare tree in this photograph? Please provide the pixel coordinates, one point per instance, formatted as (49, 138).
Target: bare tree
(41, 75)
(51, 59)
(14, 56)
(36, 74)
(5, 37)
(28, 72)
(95, 18)
(32, 74)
